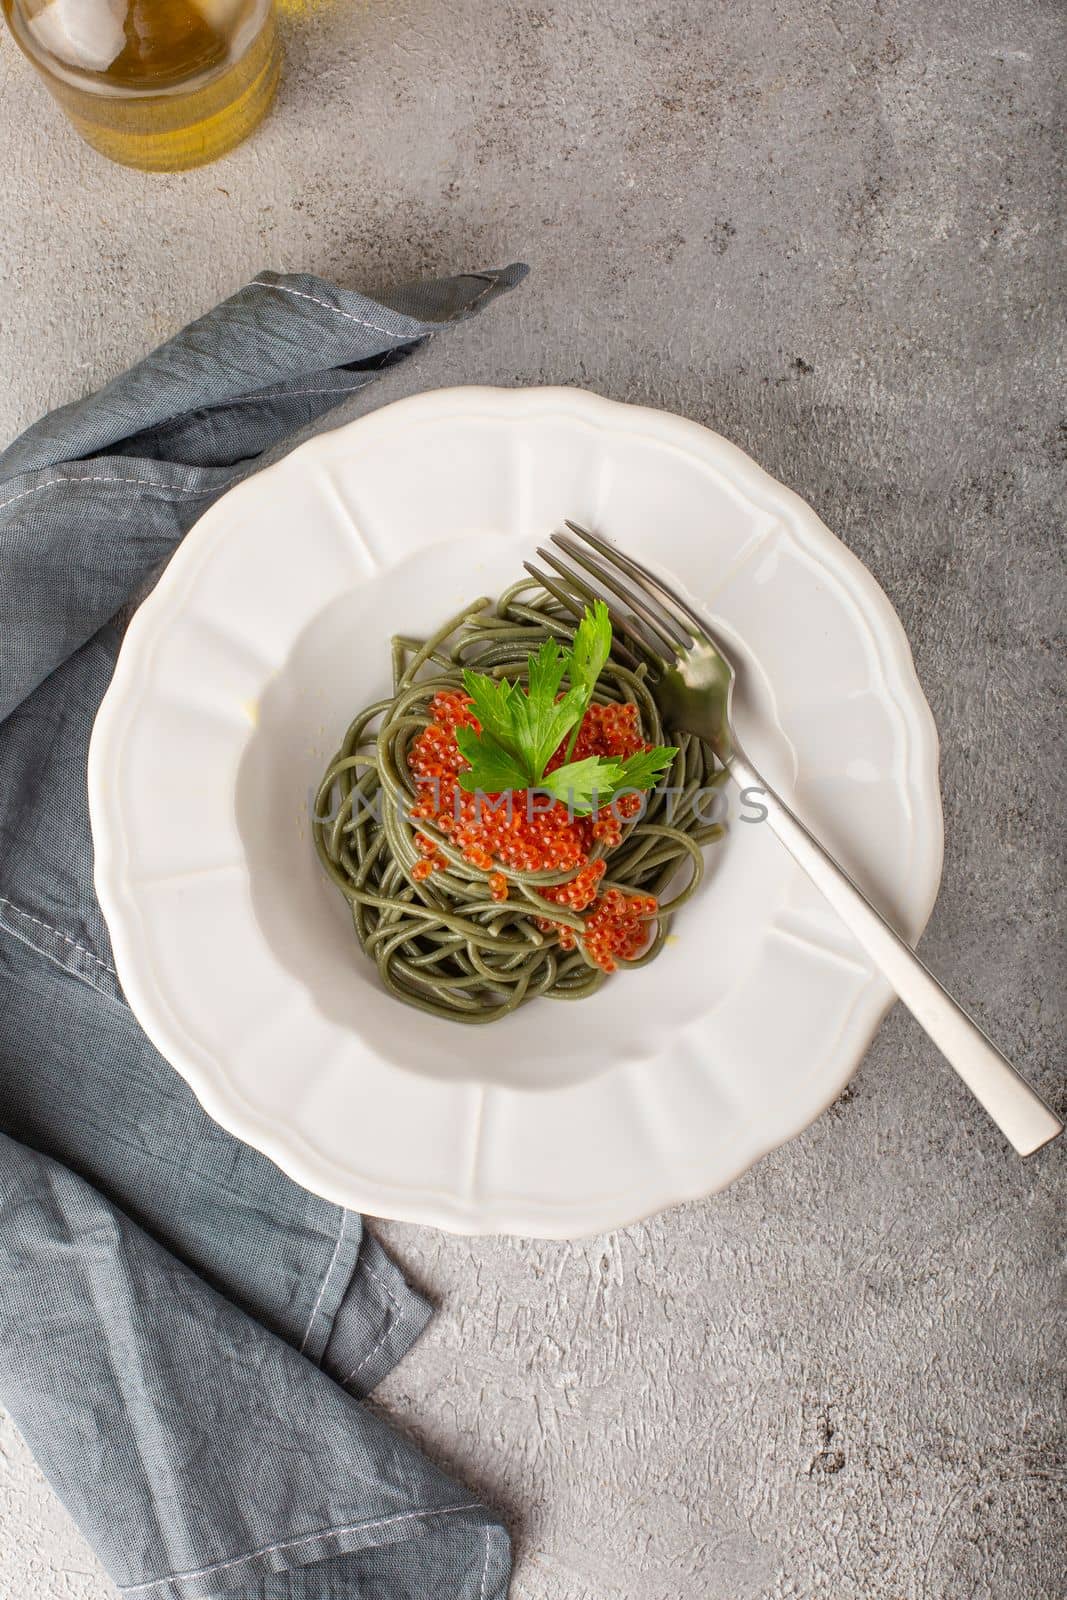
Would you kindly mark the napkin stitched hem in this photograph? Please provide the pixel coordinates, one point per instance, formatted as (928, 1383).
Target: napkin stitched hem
(204, 1582)
(59, 948)
(339, 1272)
(379, 1319)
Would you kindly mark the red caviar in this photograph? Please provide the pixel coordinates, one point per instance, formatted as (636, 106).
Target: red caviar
(533, 834)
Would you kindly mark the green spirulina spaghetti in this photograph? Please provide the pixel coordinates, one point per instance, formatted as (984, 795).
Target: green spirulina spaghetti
(445, 944)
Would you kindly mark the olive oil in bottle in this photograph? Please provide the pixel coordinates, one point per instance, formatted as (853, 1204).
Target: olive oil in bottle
(157, 84)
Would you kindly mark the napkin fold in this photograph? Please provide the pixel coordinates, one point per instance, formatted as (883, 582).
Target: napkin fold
(185, 1334)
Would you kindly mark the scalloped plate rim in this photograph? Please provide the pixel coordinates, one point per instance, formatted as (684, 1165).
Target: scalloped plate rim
(503, 1213)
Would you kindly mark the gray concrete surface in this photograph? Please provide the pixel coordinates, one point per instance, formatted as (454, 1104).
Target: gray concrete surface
(830, 230)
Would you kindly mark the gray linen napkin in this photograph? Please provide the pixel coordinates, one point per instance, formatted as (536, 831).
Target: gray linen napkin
(185, 1334)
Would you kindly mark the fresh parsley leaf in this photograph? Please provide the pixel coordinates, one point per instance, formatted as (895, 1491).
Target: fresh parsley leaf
(522, 728)
(529, 723)
(644, 769)
(594, 783)
(493, 769)
(591, 647)
(585, 785)
(546, 670)
(493, 701)
(588, 656)
(541, 721)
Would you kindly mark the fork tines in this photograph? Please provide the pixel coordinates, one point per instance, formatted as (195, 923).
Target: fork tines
(655, 618)
(576, 597)
(630, 584)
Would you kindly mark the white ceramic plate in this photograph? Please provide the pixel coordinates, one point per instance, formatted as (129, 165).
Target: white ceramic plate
(239, 674)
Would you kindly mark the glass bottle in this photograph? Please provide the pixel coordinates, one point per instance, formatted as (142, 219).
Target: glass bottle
(157, 84)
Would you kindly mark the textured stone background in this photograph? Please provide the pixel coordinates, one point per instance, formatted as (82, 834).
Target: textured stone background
(830, 230)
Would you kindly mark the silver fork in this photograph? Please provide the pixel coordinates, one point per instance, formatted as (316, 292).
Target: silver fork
(693, 686)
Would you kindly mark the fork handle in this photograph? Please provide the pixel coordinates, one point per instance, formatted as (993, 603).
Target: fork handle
(1018, 1110)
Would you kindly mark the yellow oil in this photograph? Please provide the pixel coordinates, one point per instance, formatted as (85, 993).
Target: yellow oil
(191, 78)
